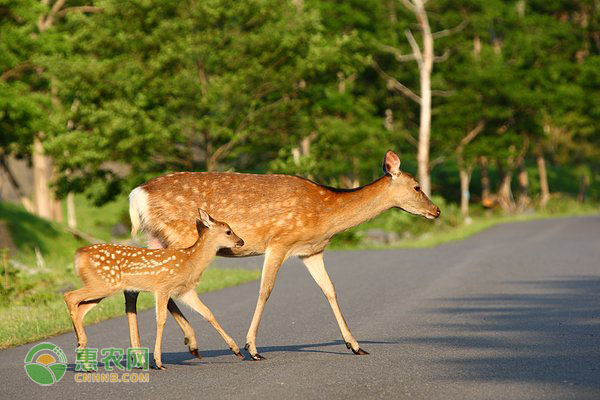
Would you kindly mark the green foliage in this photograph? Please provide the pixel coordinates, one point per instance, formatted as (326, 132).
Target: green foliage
(23, 105)
(147, 87)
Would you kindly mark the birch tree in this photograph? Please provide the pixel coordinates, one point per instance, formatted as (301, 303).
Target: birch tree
(423, 54)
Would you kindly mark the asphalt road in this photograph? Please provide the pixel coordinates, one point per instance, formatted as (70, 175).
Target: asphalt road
(512, 313)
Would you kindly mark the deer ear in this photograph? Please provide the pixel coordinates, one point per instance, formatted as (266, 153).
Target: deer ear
(206, 219)
(391, 164)
(200, 225)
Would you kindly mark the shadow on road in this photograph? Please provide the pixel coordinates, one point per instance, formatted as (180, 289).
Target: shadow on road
(549, 333)
(185, 358)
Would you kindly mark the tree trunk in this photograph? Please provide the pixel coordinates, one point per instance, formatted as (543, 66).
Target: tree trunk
(425, 68)
(465, 179)
(584, 183)
(524, 200)
(41, 174)
(55, 204)
(71, 214)
(544, 188)
(25, 201)
(56, 207)
(485, 182)
(505, 196)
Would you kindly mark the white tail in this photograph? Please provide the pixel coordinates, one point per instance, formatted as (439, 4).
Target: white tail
(277, 215)
(138, 208)
(106, 269)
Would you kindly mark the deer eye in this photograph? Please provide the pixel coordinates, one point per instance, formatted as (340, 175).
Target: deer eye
(228, 233)
(417, 188)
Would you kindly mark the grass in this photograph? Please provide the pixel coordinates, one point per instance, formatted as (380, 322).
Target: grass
(99, 220)
(22, 323)
(31, 286)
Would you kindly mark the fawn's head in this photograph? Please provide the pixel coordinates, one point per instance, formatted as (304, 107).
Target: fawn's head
(405, 190)
(220, 231)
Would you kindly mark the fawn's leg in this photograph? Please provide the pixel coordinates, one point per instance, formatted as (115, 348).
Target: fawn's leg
(186, 328)
(191, 299)
(273, 261)
(317, 270)
(86, 306)
(131, 308)
(77, 310)
(161, 318)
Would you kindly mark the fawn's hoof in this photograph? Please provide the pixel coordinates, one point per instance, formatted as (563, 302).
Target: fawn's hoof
(239, 355)
(359, 352)
(255, 356)
(195, 353)
(193, 350)
(159, 367)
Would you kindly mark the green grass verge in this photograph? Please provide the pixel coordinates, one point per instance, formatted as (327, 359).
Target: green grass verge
(31, 286)
(26, 323)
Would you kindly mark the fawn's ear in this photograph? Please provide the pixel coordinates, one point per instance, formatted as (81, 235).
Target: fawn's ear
(391, 164)
(206, 219)
(200, 225)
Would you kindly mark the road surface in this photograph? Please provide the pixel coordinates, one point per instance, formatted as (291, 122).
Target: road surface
(511, 313)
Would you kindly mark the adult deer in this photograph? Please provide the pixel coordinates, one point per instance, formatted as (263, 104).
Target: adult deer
(277, 215)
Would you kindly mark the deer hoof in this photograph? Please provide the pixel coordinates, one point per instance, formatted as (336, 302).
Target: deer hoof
(239, 355)
(159, 367)
(255, 356)
(195, 353)
(360, 352)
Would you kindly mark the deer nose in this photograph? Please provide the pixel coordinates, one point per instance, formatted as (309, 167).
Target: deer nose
(437, 212)
(240, 243)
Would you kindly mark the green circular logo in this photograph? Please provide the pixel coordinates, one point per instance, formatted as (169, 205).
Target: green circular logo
(45, 364)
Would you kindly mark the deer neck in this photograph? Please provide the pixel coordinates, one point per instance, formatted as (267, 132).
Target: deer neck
(201, 254)
(351, 208)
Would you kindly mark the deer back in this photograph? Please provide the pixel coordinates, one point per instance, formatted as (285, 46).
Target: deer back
(257, 207)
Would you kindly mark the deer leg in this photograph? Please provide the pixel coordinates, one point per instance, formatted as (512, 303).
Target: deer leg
(131, 311)
(186, 328)
(317, 270)
(79, 302)
(191, 299)
(85, 307)
(273, 261)
(131, 308)
(161, 318)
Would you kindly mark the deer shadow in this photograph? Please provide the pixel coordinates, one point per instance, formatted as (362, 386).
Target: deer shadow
(185, 358)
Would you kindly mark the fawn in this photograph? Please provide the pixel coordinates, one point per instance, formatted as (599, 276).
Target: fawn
(291, 216)
(106, 269)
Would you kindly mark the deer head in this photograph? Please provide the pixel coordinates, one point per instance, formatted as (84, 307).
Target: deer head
(405, 191)
(221, 231)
